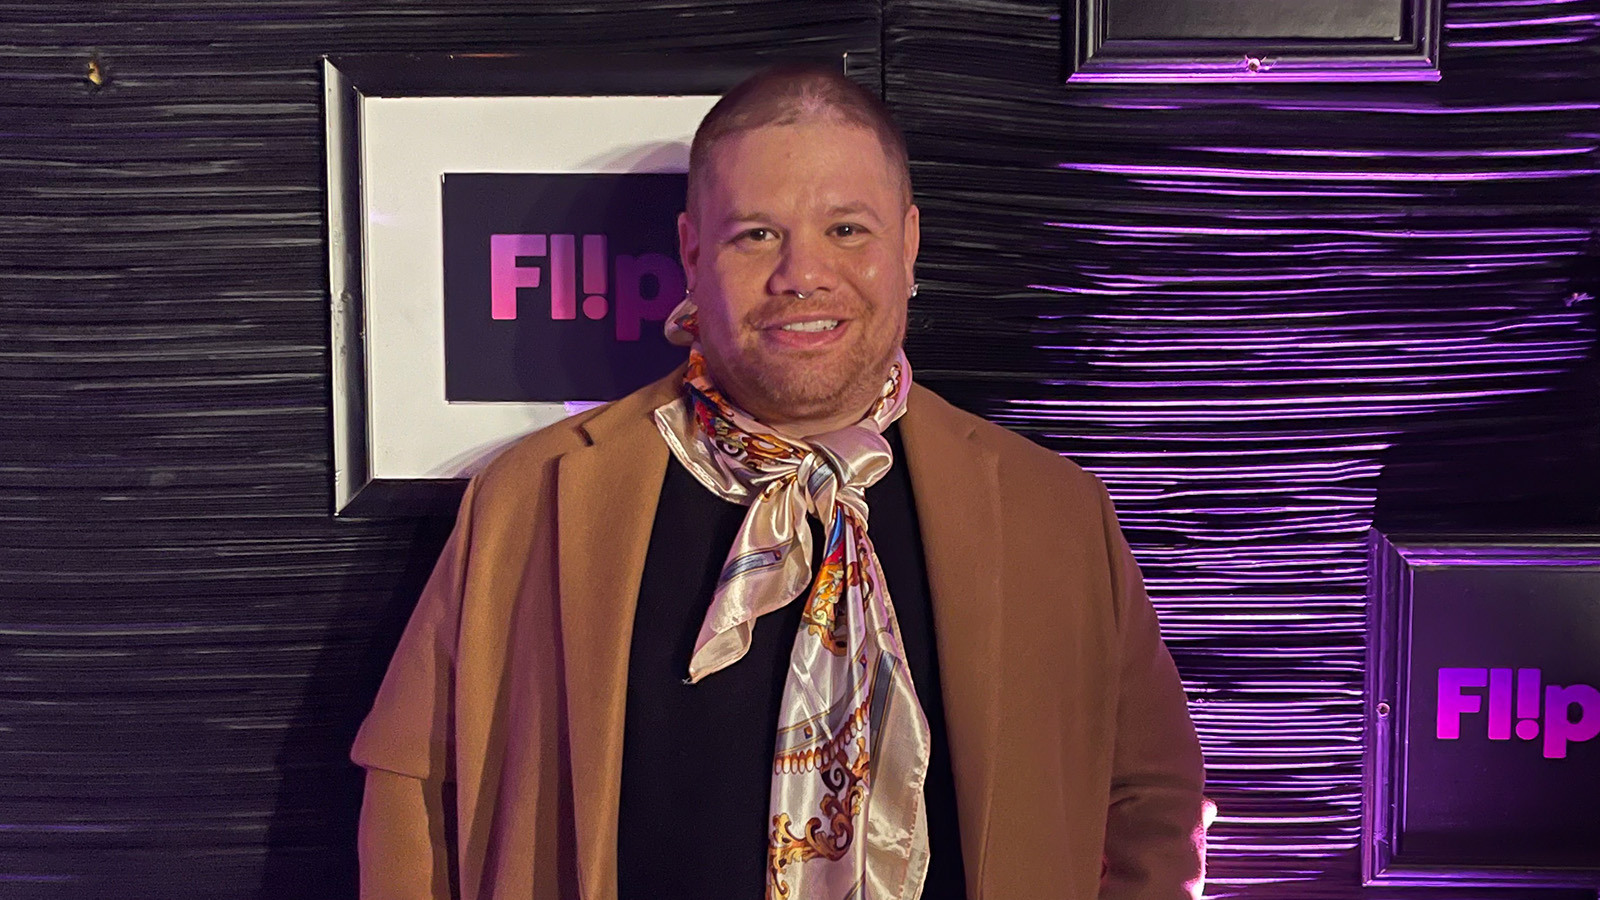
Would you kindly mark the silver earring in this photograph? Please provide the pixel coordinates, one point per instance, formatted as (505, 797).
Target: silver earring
(914, 287)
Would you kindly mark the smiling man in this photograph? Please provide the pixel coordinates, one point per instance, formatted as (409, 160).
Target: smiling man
(784, 624)
(802, 280)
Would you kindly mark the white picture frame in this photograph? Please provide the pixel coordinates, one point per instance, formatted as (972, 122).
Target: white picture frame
(395, 124)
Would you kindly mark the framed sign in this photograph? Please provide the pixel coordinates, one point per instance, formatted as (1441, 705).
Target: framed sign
(1482, 761)
(1260, 40)
(502, 251)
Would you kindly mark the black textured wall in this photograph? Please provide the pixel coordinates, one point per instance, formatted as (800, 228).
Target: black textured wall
(1264, 314)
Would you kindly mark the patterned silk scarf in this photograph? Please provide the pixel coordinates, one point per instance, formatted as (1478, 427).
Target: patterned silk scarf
(846, 803)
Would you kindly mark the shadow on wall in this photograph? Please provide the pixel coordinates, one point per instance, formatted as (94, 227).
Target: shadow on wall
(311, 839)
(1532, 463)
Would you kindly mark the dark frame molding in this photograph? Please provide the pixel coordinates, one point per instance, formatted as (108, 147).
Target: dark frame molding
(1091, 56)
(347, 79)
(1392, 560)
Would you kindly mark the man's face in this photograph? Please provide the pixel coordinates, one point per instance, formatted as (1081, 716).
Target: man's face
(815, 208)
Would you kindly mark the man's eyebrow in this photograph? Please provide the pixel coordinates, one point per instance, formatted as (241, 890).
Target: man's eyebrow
(759, 216)
(852, 209)
(752, 216)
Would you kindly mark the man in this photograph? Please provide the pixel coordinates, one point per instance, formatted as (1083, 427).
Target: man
(664, 655)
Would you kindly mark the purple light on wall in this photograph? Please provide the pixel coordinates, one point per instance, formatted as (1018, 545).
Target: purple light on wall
(1315, 175)
(1263, 345)
(1432, 108)
(1401, 153)
(1451, 235)
(1241, 310)
(1195, 187)
(1522, 42)
(1240, 71)
(1507, 4)
(1521, 23)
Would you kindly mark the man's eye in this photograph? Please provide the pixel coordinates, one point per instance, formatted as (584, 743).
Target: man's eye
(847, 230)
(757, 234)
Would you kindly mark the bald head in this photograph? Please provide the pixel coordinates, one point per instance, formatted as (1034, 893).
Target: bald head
(788, 95)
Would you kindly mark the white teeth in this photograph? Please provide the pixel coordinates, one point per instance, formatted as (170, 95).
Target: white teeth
(818, 325)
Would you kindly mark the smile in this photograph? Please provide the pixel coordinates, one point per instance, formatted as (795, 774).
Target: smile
(814, 325)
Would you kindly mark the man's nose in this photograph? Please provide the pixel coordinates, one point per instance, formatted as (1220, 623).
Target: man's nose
(804, 265)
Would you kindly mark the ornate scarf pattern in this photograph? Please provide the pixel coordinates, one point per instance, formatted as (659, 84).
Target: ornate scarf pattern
(846, 801)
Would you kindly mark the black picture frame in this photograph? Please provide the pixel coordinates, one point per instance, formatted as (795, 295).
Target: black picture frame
(1259, 41)
(1395, 562)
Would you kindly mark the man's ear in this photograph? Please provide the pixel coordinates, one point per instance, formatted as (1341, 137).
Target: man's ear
(913, 241)
(688, 247)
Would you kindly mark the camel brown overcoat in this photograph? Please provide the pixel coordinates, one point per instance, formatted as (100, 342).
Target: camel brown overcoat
(494, 748)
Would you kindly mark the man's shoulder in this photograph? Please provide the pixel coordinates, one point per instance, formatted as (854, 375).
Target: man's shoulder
(1018, 455)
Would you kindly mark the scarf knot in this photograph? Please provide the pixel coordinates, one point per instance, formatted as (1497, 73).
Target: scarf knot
(836, 471)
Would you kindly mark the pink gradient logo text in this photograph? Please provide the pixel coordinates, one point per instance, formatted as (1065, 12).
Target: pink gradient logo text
(1571, 713)
(630, 276)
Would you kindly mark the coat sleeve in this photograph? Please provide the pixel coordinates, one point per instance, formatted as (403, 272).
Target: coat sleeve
(1155, 839)
(406, 841)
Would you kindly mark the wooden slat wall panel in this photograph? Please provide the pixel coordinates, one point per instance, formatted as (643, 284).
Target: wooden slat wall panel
(187, 639)
(1266, 315)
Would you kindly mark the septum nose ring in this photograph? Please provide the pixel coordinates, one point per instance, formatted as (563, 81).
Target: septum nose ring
(798, 295)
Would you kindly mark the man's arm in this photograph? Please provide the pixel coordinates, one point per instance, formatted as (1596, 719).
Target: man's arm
(407, 840)
(406, 845)
(1155, 841)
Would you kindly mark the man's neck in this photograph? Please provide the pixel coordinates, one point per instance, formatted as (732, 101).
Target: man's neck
(810, 427)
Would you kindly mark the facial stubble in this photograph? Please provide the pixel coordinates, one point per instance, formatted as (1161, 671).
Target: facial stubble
(801, 389)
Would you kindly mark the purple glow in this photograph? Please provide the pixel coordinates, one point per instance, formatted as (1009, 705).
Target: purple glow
(1576, 234)
(1312, 175)
(1245, 343)
(1521, 42)
(1233, 71)
(1427, 109)
(1217, 403)
(1194, 187)
(1242, 295)
(1320, 379)
(1402, 152)
(1518, 23)
(1497, 4)
(1409, 270)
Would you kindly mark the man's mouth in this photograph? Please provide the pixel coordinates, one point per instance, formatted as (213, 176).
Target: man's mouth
(813, 325)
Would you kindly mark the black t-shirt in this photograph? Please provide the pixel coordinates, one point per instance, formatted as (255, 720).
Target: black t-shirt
(697, 759)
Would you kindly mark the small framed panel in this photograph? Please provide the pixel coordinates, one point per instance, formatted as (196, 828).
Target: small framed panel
(1110, 41)
(502, 251)
(1482, 761)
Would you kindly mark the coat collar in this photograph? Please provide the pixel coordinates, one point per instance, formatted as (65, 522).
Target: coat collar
(606, 499)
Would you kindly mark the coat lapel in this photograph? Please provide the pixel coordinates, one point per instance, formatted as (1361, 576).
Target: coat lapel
(956, 484)
(606, 498)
